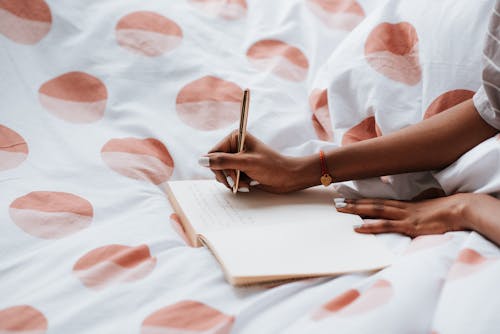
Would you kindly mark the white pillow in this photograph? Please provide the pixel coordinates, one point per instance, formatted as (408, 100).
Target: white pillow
(476, 171)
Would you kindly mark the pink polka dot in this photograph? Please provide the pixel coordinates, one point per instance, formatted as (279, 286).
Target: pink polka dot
(75, 97)
(209, 103)
(353, 302)
(469, 262)
(318, 102)
(392, 50)
(13, 148)
(175, 221)
(427, 241)
(25, 21)
(448, 100)
(226, 9)
(187, 317)
(51, 214)
(111, 264)
(140, 159)
(337, 14)
(148, 33)
(280, 58)
(22, 319)
(367, 129)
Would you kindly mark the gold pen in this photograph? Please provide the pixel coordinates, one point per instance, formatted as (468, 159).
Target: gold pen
(245, 104)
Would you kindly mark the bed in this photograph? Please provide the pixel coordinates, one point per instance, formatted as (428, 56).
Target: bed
(102, 102)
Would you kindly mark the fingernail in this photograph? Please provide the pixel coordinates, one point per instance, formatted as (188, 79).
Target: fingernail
(243, 190)
(339, 200)
(254, 183)
(354, 227)
(340, 205)
(204, 161)
(230, 181)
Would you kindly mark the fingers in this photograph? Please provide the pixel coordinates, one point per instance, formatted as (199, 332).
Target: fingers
(243, 187)
(244, 184)
(382, 226)
(221, 177)
(385, 202)
(230, 177)
(220, 161)
(229, 144)
(371, 208)
(406, 227)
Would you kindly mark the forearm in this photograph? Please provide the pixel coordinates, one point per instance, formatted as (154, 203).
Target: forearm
(431, 144)
(481, 213)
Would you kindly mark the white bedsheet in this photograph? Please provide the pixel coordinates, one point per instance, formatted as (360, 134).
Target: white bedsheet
(101, 102)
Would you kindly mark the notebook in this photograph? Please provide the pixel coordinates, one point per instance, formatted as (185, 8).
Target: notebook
(258, 237)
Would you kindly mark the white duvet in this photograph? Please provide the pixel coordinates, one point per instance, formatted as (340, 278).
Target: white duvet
(102, 102)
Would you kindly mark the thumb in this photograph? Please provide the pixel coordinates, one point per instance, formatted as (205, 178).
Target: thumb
(219, 161)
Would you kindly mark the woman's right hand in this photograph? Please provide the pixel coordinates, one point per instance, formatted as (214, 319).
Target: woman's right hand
(263, 167)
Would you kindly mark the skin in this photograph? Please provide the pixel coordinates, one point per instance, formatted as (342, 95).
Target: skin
(431, 144)
(457, 212)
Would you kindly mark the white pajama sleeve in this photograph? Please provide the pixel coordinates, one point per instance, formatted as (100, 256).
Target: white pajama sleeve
(487, 98)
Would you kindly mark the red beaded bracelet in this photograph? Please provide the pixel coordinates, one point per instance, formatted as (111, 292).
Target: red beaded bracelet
(326, 179)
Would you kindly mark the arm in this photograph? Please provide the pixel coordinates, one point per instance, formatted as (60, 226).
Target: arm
(481, 213)
(478, 212)
(430, 144)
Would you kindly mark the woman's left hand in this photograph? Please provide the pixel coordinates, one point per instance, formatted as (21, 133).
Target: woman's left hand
(433, 216)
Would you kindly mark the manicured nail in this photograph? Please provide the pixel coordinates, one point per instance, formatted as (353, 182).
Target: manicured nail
(243, 190)
(355, 227)
(339, 200)
(204, 161)
(230, 181)
(254, 183)
(340, 205)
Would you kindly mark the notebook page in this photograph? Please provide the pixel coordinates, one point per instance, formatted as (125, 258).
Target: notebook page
(209, 205)
(313, 248)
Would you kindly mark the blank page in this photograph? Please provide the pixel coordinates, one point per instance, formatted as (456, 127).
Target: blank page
(321, 245)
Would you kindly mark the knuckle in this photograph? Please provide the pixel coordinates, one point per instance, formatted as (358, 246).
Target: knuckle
(386, 224)
(378, 206)
(220, 160)
(411, 228)
(215, 160)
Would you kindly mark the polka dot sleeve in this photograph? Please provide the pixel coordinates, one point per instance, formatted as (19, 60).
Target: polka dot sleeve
(487, 99)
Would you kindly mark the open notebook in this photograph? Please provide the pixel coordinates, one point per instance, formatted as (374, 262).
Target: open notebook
(259, 237)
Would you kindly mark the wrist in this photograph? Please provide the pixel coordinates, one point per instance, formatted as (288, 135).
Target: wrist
(472, 210)
(463, 211)
(306, 171)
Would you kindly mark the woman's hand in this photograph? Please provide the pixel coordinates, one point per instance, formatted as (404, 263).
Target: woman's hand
(433, 216)
(263, 167)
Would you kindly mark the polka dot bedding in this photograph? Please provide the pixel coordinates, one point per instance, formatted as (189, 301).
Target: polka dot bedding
(102, 102)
